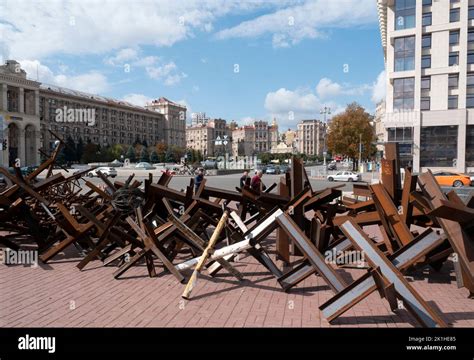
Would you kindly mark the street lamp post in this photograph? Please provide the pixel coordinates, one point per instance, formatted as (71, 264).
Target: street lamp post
(324, 112)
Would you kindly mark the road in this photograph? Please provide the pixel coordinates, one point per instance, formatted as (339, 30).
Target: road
(228, 182)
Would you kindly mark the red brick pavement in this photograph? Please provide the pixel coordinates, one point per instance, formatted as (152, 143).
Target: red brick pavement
(60, 295)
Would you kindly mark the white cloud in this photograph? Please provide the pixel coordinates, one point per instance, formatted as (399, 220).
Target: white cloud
(92, 82)
(122, 56)
(379, 88)
(137, 99)
(167, 72)
(291, 106)
(155, 67)
(32, 30)
(305, 20)
(327, 88)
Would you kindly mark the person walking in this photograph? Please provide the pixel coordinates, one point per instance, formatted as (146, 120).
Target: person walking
(256, 183)
(198, 179)
(243, 179)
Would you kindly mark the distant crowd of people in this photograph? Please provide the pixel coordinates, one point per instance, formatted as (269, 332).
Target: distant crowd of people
(255, 182)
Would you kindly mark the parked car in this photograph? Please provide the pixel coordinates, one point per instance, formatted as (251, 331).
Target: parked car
(144, 166)
(261, 167)
(345, 176)
(272, 170)
(209, 164)
(448, 178)
(332, 166)
(284, 169)
(472, 179)
(107, 171)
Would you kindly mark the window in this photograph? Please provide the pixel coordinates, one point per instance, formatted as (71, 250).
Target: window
(426, 41)
(427, 2)
(453, 58)
(454, 37)
(470, 80)
(439, 146)
(454, 15)
(470, 36)
(425, 103)
(405, 14)
(426, 61)
(453, 81)
(470, 145)
(470, 13)
(405, 53)
(452, 102)
(404, 137)
(470, 57)
(426, 83)
(470, 101)
(403, 93)
(426, 20)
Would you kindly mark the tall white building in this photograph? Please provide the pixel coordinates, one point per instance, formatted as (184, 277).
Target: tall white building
(310, 137)
(199, 118)
(429, 59)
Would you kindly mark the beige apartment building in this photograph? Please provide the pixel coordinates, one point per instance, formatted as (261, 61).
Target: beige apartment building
(254, 139)
(310, 137)
(175, 120)
(115, 122)
(28, 109)
(429, 60)
(243, 141)
(200, 138)
(212, 138)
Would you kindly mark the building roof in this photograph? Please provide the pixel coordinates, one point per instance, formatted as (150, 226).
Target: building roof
(87, 96)
(163, 100)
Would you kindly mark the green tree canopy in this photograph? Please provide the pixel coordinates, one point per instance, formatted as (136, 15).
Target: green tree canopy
(154, 158)
(130, 155)
(144, 155)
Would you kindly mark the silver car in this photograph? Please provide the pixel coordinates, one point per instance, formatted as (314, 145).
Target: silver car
(107, 171)
(345, 176)
(145, 166)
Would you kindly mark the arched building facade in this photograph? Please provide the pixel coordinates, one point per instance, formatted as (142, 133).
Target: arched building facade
(19, 116)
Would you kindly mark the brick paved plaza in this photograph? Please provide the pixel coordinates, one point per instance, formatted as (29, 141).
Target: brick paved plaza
(59, 295)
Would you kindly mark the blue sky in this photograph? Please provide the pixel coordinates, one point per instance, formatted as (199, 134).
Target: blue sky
(292, 57)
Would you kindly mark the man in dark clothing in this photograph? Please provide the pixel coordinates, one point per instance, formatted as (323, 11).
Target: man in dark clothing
(243, 179)
(198, 179)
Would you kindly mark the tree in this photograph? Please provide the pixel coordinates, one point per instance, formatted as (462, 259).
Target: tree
(115, 151)
(69, 150)
(347, 130)
(90, 153)
(130, 155)
(161, 151)
(79, 149)
(169, 156)
(144, 157)
(154, 157)
(265, 158)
